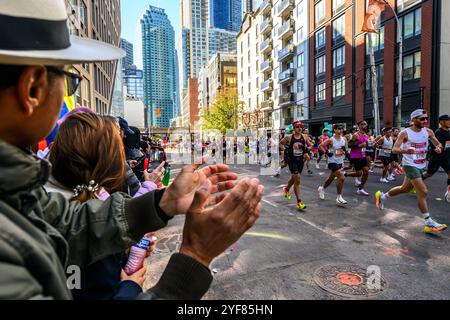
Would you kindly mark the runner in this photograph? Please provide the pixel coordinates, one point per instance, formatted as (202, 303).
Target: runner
(358, 147)
(412, 143)
(370, 150)
(284, 160)
(297, 145)
(336, 146)
(385, 143)
(322, 139)
(396, 157)
(308, 155)
(441, 160)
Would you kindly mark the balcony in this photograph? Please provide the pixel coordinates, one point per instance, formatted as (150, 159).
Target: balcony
(266, 46)
(267, 85)
(266, 26)
(287, 29)
(268, 104)
(286, 76)
(286, 99)
(265, 7)
(266, 65)
(286, 52)
(285, 7)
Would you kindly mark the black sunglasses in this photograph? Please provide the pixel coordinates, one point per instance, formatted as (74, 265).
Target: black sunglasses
(423, 118)
(73, 79)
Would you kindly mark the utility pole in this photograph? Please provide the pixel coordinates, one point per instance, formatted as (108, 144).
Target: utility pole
(374, 76)
(400, 67)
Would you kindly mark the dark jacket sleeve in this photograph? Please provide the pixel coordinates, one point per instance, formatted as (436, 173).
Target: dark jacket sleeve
(131, 181)
(127, 290)
(96, 229)
(183, 279)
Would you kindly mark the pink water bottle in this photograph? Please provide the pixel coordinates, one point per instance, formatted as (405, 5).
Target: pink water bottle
(137, 255)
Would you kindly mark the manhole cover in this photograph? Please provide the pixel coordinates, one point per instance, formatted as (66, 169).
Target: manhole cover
(168, 244)
(351, 281)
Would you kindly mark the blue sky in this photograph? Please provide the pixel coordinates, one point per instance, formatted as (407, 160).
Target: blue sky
(132, 11)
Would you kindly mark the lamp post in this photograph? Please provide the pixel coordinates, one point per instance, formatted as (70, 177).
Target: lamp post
(400, 62)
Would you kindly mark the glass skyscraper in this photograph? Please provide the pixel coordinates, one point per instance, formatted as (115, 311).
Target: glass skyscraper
(226, 14)
(158, 55)
(134, 81)
(127, 61)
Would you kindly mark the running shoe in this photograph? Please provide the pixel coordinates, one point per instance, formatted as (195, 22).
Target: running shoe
(390, 177)
(357, 182)
(317, 166)
(310, 172)
(447, 195)
(287, 193)
(301, 205)
(362, 192)
(384, 180)
(321, 193)
(341, 201)
(379, 200)
(432, 226)
(413, 191)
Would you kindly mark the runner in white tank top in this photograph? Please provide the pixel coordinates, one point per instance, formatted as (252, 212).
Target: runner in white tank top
(385, 144)
(413, 144)
(335, 149)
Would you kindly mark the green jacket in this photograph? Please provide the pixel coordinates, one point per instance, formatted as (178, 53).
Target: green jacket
(38, 228)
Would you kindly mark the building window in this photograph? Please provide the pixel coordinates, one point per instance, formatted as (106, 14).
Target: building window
(320, 38)
(339, 87)
(320, 12)
(339, 27)
(338, 5)
(320, 65)
(405, 4)
(300, 34)
(339, 57)
(411, 67)
(320, 92)
(301, 85)
(301, 59)
(411, 24)
(377, 41)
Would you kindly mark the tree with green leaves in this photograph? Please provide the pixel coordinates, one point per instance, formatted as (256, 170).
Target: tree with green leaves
(220, 115)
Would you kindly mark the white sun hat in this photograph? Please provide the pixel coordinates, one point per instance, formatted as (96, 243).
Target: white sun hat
(36, 32)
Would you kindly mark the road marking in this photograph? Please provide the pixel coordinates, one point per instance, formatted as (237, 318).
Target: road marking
(270, 203)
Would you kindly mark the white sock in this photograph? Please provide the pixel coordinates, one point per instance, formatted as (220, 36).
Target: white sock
(426, 216)
(385, 196)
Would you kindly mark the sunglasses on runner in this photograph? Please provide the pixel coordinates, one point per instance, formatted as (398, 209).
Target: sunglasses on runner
(423, 118)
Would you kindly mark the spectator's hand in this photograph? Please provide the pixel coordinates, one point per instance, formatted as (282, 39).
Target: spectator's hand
(438, 150)
(179, 195)
(210, 231)
(133, 163)
(137, 277)
(156, 175)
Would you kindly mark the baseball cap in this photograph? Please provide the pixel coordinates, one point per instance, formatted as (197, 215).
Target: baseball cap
(124, 125)
(444, 117)
(417, 113)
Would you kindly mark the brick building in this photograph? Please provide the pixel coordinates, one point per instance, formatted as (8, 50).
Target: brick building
(340, 89)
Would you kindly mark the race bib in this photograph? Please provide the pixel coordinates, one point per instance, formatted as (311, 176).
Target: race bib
(338, 153)
(447, 145)
(387, 151)
(420, 157)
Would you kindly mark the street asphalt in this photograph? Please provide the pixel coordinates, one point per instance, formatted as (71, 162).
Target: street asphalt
(278, 257)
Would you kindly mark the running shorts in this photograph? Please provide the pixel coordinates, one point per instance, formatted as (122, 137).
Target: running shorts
(296, 165)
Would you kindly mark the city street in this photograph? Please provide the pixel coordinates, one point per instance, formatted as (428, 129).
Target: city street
(280, 256)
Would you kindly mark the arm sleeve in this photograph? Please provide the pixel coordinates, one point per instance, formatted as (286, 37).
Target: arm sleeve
(183, 279)
(96, 229)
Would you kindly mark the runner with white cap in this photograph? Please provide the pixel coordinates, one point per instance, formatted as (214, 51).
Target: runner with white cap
(412, 143)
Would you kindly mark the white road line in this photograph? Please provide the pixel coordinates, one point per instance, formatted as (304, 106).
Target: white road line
(270, 203)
